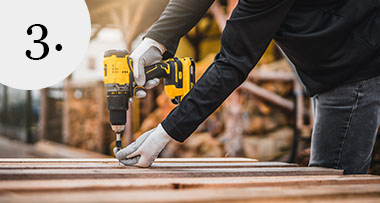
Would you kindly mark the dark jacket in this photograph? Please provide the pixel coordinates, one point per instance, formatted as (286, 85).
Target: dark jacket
(330, 42)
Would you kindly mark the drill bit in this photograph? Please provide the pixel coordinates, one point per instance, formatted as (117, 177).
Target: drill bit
(118, 142)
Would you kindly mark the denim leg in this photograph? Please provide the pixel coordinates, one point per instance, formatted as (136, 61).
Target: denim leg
(346, 122)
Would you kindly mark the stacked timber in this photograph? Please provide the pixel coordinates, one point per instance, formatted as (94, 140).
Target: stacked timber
(86, 124)
(179, 180)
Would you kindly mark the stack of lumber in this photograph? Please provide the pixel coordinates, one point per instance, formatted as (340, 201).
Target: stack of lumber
(85, 119)
(179, 180)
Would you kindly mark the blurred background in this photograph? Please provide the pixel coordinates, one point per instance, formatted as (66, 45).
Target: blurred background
(268, 118)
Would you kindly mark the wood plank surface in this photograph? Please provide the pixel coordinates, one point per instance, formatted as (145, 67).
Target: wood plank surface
(206, 160)
(180, 183)
(158, 165)
(113, 160)
(327, 193)
(179, 180)
(133, 172)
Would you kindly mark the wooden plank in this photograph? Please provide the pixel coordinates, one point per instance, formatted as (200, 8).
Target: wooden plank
(133, 172)
(179, 180)
(337, 193)
(57, 160)
(113, 160)
(206, 160)
(180, 183)
(159, 165)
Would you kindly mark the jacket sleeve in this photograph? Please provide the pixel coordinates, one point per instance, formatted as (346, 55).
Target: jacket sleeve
(177, 19)
(252, 26)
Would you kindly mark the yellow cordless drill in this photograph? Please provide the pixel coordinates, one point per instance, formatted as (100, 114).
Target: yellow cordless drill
(178, 74)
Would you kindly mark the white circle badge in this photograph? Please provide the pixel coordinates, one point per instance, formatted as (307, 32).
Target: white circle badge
(41, 41)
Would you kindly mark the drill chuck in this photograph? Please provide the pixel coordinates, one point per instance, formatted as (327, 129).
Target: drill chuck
(118, 117)
(117, 104)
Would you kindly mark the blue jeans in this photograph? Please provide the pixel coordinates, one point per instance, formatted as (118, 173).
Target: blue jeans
(346, 121)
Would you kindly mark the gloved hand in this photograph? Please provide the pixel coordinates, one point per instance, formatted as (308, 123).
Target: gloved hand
(145, 149)
(149, 52)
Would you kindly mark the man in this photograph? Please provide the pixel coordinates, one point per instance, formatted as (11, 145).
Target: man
(334, 45)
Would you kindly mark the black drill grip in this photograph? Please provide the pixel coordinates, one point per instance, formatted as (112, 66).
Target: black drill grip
(159, 70)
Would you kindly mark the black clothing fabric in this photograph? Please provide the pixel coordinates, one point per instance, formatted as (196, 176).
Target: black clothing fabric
(330, 42)
(333, 43)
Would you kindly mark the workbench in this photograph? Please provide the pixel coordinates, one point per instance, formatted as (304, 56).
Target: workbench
(179, 180)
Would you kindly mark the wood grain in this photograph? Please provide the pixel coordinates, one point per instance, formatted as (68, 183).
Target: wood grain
(158, 165)
(327, 193)
(114, 160)
(180, 183)
(133, 172)
(179, 180)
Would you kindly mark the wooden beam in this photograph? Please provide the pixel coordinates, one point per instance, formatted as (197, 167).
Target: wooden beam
(114, 160)
(180, 183)
(179, 180)
(133, 172)
(267, 95)
(312, 193)
(270, 76)
(206, 160)
(113, 165)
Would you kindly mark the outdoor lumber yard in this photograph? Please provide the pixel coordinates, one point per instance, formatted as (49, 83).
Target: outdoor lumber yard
(204, 101)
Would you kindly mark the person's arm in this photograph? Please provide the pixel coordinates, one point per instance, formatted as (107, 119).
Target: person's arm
(252, 26)
(177, 19)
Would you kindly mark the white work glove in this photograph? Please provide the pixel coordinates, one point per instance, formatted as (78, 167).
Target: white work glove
(145, 149)
(149, 52)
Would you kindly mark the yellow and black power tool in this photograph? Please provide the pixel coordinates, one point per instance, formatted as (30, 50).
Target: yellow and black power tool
(178, 74)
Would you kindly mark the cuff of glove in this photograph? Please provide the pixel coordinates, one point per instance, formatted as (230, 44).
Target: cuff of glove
(156, 44)
(163, 134)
